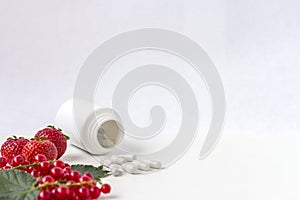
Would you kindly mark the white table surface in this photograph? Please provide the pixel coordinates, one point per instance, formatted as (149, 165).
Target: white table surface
(242, 166)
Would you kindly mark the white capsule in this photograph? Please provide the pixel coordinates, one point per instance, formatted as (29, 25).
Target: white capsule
(142, 165)
(130, 157)
(130, 168)
(137, 162)
(120, 160)
(115, 166)
(116, 172)
(153, 164)
(113, 159)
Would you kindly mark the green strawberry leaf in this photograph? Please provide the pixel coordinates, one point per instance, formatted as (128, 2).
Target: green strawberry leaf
(66, 137)
(51, 126)
(97, 172)
(60, 130)
(16, 185)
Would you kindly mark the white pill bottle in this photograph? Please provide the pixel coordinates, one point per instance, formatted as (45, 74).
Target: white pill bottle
(96, 131)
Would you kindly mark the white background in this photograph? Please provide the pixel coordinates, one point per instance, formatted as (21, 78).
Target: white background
(254, 44)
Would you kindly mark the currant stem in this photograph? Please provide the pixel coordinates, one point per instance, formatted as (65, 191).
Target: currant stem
(25, 166)
(57, 183)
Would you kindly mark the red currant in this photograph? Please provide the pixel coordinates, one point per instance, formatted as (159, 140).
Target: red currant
(29, 169)
(35, 173)
(66, 176)
(85, 178)
(18, 160)
(54, 192)
(83, 193)
(67, 170)
(47, 179)
(62, 192)
(44, 195)
(6, 167)
(59, 163)
(44, 167)
(89, 175)
(76, 197)
(74, 176)
(40, 158)
(105, 188)
(73, 196)
(95, 192)
(71, 186)
(57, 173)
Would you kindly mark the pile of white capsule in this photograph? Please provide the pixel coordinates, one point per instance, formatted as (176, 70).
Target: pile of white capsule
(130, 164)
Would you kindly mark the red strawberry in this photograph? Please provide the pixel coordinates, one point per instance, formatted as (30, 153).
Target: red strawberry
(13, 147)
(39, 146)
(56, 137)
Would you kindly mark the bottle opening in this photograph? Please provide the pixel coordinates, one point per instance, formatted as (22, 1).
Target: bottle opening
(109, 134)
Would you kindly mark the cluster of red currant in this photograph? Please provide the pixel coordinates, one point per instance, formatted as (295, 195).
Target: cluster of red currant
(56, 179)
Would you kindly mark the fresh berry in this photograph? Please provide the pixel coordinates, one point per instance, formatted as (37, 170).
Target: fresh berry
(62, 192)
(47, 179)
(40, 158)
(71, 186)
(57, 173)
(55, 178)
(67, 170)
(59, 163)
(85, 178)
(44, 167)
(72, 195)
(17, 160)
(34, 147)
(95, 192)
(44, 195)
(6, 167)
(3, 162)
(74, 176)
(66, 176)
(13, 147)
(53, 192)
(35, 173)
(105, 188)
(29, 169)
(88, 175)
(83, 193)
(55, 136)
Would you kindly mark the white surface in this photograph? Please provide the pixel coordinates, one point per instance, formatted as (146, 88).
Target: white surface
(255, 45)
(241, 167)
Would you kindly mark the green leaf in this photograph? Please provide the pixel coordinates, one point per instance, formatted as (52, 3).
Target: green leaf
(60, 130)
(15, 185)
(66, 137)
(51, 126)
(97, 172)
